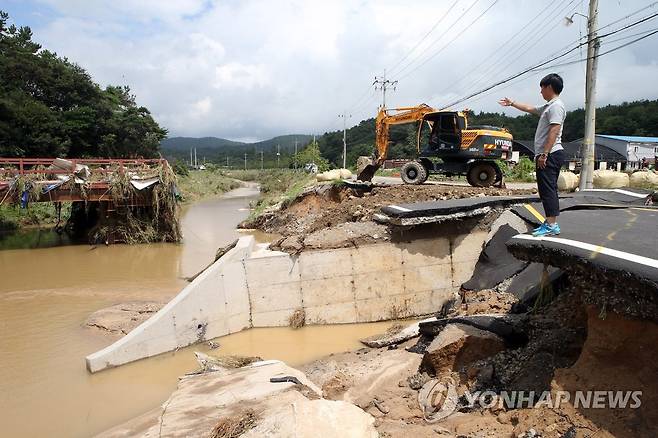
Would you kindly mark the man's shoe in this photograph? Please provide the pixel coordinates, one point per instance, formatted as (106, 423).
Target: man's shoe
(548, 230)
(542, 226)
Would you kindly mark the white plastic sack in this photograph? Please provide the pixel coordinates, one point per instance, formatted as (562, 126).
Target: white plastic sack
(345, 174)
(644, 179)
(332, 175)
(329, 175)
(609, 179)
(567, 181)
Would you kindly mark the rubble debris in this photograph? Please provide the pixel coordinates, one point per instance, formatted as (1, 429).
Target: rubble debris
(484, 301)
(235, 425)
(398, 335)
(457, 345)
(209, 364)
(297, 319)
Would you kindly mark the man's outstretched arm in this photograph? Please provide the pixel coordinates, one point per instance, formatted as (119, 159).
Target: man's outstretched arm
(506, 101)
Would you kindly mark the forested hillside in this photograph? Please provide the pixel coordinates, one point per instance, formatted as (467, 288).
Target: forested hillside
(49, 106)
(218, 150)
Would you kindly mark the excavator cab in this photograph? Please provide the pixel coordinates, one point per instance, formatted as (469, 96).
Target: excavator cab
(444, 132)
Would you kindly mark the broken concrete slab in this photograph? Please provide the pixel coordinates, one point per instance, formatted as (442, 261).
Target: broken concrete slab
(496, 263)
(527, 284)
(204, 399)
(395, 337)
(458, 345)
(510, 327)
(453, 206)
(308, 418)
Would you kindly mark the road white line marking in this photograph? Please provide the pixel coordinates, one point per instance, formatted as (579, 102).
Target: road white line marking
(623, 192)
(594, 248)
(397, 207)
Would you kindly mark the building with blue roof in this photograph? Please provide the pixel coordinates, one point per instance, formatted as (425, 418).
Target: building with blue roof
(619, 152)
(633, 148)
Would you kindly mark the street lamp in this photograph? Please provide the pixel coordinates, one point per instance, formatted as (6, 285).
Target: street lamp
(568, 21)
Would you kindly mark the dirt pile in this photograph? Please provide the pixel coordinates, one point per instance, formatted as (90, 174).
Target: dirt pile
(120, 319)
(335, 215)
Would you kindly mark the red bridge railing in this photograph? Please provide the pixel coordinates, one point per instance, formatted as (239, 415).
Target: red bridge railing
(24, 166)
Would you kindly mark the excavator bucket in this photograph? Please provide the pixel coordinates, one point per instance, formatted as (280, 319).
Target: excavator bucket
(368, 172)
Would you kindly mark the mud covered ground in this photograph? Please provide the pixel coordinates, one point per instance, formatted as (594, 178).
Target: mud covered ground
(333, 216)
(569, 348)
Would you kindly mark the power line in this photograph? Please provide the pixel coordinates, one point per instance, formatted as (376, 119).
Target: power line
(426, 35)
(513, 55)
(494, 53)
(542, 64)
(628, 16)
(451, 41)
(406, 66)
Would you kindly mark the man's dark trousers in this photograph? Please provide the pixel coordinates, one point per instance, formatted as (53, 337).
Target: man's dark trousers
(547, 183)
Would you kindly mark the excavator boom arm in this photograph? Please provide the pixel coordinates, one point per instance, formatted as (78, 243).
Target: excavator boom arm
(385, 120)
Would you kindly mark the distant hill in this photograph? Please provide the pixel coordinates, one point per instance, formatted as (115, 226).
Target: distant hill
(185, 143)
(218, 150)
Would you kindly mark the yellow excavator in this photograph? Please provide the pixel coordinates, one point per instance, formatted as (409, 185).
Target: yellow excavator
(451, 148)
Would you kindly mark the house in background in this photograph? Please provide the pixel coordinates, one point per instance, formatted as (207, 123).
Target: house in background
(604, 156)
(633, 148)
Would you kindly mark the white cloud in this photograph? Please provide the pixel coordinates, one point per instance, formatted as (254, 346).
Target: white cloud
(259, 68)
(236, 75)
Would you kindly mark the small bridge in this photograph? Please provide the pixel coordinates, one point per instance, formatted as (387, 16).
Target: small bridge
(24, 180)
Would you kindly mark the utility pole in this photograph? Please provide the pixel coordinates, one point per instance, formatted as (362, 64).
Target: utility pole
(587, 149)
(245, 161)
(261, 160)
(191, 164)
(345, 117)
(296, 153)
(227, 161)
(278, 156)
(196, 163)
(381, 83)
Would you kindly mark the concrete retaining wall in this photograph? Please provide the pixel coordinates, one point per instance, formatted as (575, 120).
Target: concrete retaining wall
(251, 286)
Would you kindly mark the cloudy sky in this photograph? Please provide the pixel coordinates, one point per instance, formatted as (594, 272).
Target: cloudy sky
(254, 69)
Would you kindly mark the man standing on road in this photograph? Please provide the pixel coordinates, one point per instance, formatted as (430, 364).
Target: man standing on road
(549, 154)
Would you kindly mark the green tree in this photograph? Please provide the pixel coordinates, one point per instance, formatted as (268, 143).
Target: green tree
(311, 154)
(50, 106)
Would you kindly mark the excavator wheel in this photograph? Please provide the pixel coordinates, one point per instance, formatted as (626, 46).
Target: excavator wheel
(413, 173)
(481, 175)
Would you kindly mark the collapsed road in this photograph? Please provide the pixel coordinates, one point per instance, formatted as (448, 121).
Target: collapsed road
(538, 318)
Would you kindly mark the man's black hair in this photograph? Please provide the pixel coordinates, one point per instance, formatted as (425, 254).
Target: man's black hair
(554, 80)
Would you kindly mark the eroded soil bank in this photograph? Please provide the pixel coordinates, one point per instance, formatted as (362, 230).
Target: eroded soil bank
(334, 215)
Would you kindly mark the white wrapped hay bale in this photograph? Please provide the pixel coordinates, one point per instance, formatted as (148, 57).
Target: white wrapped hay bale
(609, 179)
(567, 181)
(645, 178)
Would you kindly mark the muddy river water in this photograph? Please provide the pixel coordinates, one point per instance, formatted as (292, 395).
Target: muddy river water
(46, 294)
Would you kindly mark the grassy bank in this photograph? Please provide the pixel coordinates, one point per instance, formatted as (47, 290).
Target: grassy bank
(276, 185)
(12, 217)
(198, 185)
